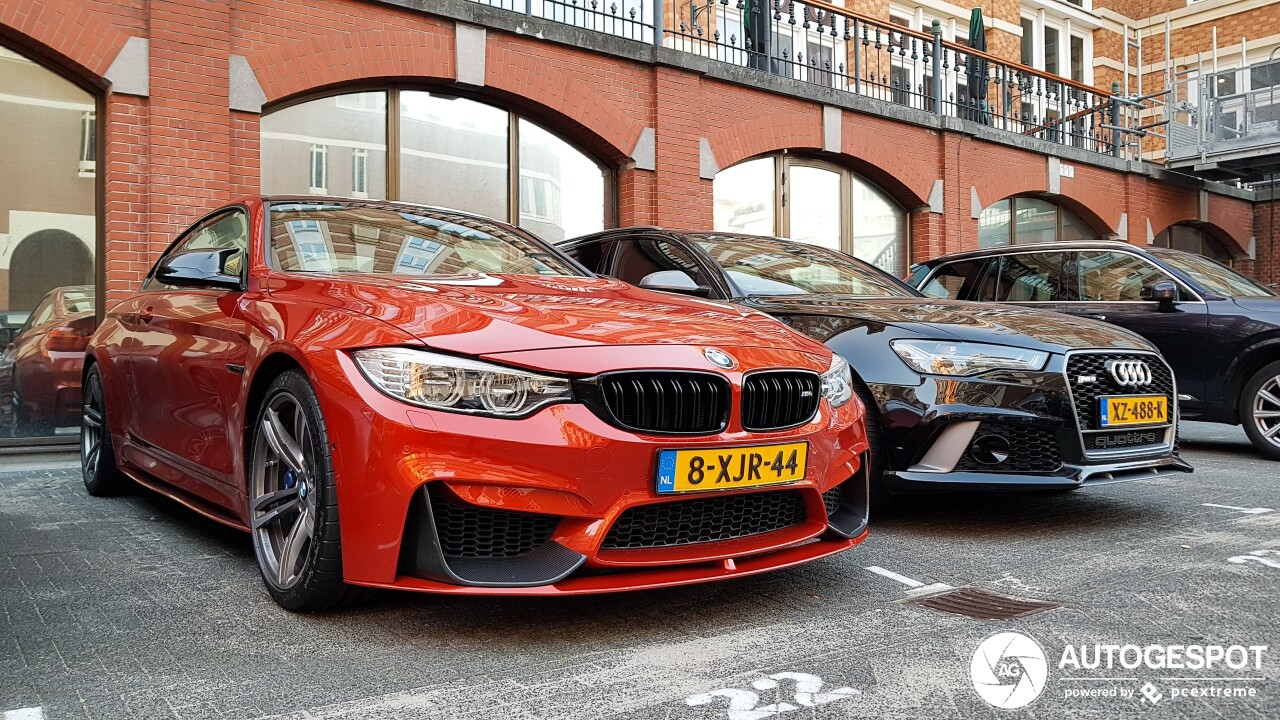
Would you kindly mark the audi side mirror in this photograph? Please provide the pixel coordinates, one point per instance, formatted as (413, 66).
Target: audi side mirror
(675, 281)
(202, 268)
(1165, 293)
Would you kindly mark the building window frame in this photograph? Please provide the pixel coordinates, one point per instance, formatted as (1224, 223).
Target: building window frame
(360, 173)
(390, 106)
(318, 170)
(784, 165)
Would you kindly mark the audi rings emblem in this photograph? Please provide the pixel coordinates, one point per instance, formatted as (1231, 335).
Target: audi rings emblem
(1129, 372)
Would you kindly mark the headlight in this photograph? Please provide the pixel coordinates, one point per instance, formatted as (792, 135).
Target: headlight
(932, 357)
(442, 382)
(837, 382)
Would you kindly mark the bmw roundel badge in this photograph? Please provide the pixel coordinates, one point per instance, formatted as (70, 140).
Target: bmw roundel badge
(720, 358)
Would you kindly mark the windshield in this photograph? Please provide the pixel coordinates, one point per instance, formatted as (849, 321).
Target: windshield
(769, 266)
(395, 240)
(1214, 277)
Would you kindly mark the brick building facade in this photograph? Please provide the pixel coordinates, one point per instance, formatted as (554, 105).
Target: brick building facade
(181, 89)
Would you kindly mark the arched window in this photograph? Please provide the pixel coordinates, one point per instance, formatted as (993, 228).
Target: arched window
(446, 151)
(1194, 240)
(48, 246)
(1023, 220)
(815, 202)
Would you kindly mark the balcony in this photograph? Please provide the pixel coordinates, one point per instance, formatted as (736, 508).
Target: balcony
(1230, 137)
(821, 44)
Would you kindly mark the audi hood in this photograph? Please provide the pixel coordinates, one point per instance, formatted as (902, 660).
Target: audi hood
(947, 320)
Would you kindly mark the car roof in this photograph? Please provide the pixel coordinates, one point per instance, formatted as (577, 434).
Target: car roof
(374, 204)
(1057, 245)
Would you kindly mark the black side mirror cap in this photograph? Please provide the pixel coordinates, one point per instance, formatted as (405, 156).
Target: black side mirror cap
(1164, 292)
(202, 268)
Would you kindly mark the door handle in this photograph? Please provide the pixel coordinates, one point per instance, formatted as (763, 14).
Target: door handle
(1095, 316)
(147, 313)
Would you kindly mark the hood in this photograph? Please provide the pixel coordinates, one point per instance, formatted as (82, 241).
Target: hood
(1258, 304)
(950, 320)
(490, 314)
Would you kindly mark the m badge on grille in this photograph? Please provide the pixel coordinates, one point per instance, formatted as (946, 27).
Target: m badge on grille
(1132, 373)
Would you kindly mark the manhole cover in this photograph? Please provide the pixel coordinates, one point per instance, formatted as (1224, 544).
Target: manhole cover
(981, 604)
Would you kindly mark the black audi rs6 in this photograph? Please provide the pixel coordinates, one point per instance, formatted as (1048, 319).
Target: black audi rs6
(959, 396)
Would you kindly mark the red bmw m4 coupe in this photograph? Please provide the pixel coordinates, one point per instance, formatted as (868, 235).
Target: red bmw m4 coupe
(388, 395)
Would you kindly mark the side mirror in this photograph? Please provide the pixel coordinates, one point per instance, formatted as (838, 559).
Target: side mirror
(1165, 293)
(6, 336)
(675, 281)
(202, 268)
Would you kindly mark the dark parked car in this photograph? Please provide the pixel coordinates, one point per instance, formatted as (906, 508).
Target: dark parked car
(1218, 329)
(959, 395)
(40, 365)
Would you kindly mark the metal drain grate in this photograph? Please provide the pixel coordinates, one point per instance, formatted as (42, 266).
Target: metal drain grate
(981, 604)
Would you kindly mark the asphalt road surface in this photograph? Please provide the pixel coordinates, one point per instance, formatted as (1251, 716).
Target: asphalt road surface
(134, 607)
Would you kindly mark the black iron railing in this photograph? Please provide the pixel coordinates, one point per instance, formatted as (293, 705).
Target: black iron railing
(821, 44)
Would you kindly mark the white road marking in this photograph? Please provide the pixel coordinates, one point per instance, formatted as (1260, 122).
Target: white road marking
(895, 576)
(929, 589)
(31, 713)
(1246, 511)
(1268, 557)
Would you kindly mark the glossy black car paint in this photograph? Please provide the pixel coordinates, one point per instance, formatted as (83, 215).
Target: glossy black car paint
(914, 409)
(1215, 344)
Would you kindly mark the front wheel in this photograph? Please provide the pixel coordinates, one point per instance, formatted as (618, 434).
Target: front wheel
(97, 457)
(880, 499)
(1260, 410)
(293, 502)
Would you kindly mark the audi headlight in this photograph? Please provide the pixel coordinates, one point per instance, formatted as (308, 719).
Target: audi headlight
(837, 382)
(932, 357)
(442, 382)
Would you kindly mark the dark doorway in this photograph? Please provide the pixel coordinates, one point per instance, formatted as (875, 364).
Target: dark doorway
(44, 260)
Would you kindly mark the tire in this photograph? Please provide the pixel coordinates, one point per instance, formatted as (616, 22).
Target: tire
(1260, 410)
(97, 457)
(879, 497)
(293, 504)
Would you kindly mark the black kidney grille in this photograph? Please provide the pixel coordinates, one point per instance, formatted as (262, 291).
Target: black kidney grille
(685, 522)
(777, 400)
(1031, 449)
(469, 531)
(1086, 395)
(667, 402)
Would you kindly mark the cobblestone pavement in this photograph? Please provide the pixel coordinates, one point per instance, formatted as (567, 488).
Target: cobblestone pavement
(135, 608)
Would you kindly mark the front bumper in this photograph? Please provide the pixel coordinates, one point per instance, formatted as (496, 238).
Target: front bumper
(934, 436)
(450, 503)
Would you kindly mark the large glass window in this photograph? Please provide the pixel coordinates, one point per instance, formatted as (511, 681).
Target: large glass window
(813, 202)
(1189, 238)
(448, 152)
(303, 144)
(1023, 220)
(48, 241)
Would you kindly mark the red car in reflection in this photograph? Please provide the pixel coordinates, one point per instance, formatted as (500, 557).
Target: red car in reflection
(387, 395)
(40, 368)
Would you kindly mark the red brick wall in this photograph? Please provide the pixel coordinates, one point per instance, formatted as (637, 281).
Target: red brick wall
(180, 152)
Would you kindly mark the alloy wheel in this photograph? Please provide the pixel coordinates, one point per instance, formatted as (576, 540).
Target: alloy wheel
(92, 426)
(283, 488)
(1266, 410)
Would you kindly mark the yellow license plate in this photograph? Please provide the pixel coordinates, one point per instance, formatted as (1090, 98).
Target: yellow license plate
(1133, 410)
(726, 468)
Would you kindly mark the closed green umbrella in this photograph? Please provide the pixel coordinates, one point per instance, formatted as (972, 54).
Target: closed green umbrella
(976, 70)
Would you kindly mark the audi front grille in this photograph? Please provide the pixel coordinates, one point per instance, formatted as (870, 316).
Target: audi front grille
(1090, 377)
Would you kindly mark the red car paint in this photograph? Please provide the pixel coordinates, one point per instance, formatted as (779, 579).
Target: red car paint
(40, 370)
(178, 367)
